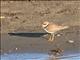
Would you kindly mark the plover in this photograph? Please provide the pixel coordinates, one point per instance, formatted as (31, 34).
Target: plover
(52, 28)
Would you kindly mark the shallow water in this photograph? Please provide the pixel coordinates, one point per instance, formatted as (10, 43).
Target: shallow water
(36, 56)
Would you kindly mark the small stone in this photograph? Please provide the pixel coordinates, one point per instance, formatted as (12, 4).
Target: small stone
(58, 35)
(45, 35)
(16, 48)
(2, 17)
(11, 1)
(71, 41)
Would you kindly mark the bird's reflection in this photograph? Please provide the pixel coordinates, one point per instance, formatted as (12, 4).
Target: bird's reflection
(54, 53)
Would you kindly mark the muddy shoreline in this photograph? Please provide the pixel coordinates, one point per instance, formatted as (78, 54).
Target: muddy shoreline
(25, 17)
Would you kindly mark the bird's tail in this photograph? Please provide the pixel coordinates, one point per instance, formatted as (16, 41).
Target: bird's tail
(65, 27)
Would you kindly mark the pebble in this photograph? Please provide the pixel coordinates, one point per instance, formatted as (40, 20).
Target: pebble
(58, 35)
(71, 41)
(2, 17)
(16, 48)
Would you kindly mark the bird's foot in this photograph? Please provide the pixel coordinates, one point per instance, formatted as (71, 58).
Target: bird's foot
(50, 40)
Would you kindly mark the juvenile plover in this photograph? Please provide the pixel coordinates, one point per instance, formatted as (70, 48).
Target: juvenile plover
(52, 28)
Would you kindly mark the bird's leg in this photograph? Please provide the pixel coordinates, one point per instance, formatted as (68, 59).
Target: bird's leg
(49, 37)
(52, 37)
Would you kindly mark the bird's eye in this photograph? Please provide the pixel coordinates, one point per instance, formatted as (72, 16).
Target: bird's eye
(44, 24)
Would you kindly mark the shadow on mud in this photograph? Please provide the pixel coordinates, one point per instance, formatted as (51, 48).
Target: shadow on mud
(28, 34)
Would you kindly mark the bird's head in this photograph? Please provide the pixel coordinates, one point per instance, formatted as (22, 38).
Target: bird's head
(45, 24)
